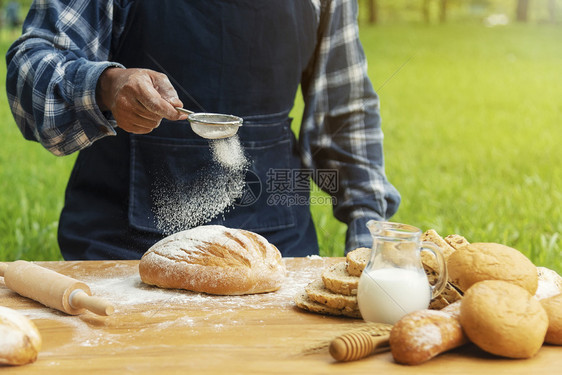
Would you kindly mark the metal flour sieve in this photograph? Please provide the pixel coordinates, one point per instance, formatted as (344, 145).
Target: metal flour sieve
(212, 125)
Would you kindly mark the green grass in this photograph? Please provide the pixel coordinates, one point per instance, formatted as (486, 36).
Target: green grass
(471, 120)
(32, 183)
(471, 117)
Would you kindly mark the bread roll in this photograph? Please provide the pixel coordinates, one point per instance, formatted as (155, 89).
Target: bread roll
(550, 283)
(20, 340)
(503, 319)
(553, 308)
(216, 260)
(424, 334)
(491, 261)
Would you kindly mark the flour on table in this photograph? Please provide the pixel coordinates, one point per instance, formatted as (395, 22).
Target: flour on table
(127, 293)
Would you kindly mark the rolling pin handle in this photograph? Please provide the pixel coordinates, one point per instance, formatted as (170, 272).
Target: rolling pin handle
(79, 299)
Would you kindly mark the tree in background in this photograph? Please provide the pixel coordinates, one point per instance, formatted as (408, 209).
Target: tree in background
(442, 10)
(377, 11)
(372, 11)
(552, 10)
(522, 11)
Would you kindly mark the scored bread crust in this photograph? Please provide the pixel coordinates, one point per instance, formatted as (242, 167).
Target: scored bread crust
(216, 260)
(20, 340)
(456, 241)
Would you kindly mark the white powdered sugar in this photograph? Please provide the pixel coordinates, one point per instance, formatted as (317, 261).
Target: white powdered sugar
(426, 336)
(180, 206)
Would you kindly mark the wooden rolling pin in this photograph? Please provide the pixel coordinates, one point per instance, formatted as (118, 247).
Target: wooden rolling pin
(52, 288)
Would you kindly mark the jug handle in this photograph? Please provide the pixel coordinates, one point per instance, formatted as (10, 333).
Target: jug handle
(442, 271)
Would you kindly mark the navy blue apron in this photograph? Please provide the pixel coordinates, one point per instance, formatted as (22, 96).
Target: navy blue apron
(241, 57)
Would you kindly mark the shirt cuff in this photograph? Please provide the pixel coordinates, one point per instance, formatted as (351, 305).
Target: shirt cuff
(95, 123)
(358, 234)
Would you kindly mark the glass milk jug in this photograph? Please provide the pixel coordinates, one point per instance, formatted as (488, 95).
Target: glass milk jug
(394, 282)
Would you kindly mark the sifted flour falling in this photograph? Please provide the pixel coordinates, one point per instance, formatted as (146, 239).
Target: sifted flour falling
(212, 192)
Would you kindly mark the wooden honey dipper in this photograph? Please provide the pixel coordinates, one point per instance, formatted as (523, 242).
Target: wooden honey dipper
(356, 345)
(52, 289)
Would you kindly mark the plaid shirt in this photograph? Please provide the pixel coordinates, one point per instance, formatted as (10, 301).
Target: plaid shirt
(54, 66)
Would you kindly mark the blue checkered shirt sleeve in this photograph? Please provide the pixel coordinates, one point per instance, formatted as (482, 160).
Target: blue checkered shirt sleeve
(341, 127)
(53, 70)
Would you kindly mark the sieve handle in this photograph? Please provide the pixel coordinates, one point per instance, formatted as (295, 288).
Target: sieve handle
(183, 110)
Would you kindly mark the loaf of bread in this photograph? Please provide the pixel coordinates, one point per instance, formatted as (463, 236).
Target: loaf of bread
(456, 241)
(491, 261)
(427, 258)
(553, 308)
(216, 260)
(448, 295)
(503, 319)
(424, 334)
(20, 340)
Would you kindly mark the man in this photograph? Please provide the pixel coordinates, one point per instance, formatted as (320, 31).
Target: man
(104, 78)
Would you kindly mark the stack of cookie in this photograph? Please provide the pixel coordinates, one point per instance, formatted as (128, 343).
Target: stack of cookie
(336, 292)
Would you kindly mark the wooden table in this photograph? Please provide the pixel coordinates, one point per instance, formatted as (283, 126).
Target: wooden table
(171, 331)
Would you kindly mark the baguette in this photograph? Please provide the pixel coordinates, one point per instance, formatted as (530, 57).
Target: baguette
(424, 334)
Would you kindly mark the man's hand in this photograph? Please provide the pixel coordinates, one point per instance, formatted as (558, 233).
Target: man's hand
(138, 98)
